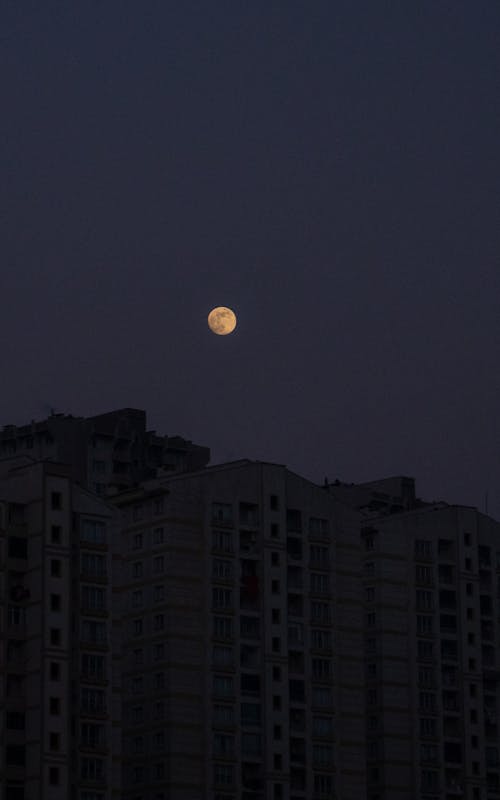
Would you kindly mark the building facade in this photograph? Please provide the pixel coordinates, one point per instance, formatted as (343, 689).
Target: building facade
(243, 673)
(60, 710)
(431, 590)
(107, 451)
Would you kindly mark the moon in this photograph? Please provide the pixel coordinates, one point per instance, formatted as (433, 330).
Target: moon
(222, 320)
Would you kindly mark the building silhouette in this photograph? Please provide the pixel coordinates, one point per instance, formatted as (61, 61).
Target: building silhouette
(174, 631)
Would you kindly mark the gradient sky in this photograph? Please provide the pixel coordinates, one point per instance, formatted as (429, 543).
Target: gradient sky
(329, 169)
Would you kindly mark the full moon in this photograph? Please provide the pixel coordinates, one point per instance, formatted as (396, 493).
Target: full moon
(222, 320)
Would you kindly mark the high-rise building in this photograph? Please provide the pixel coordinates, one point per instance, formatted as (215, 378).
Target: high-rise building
(60, 710)
(242, 671)
(431, 589)
(113, 450)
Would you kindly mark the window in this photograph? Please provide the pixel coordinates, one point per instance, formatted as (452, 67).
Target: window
(250, 684)
(158, 536)
(93, 531)
(223, 685)
(137, 541)
(320, 612)
(92, 769)
(93, 666)
(250, 714)
(423, 575)
(322, 696)
(323, 785)
(322, 726)
(319, 555)
(424, 625)
(276, 673)
(223, 715)
(223, 744)
(275, 559)
(137, 598)
(275, 586)
(222, 541)
(273, 502)
(322, 755)
(222, 569)
(158, 651)
(55, 637)
(370, 594)
(427, 727)
(15, 720)
(251, 743)
(427, 701)
(223, 656)
(55, 671)
(138, 656)
(158, 593)
(320, 583)
(275, 530)
(429, 780)
(56, 534)
(425, 650)
(56, 501)
(158, 622)
(93, 565)
(158, 505)
(137, 569)
(222, 598)
(54, 776)
(55, 567)
(94, 632)
(54, 706)
(137, 627)
(93, 598)
(423, 549)
(321, 669)
(275, 616)
(424, 600)
(158, 564)
(318, 527)
(55, 602)
(223, 774)
(92, 735)
(17, 547)
(223, 628)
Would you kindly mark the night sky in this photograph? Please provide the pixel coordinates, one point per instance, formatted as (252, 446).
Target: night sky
(329, 169)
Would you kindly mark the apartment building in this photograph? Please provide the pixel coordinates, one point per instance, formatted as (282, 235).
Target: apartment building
(243, 676)
(60, 710)
(108, 450)
(431, 584)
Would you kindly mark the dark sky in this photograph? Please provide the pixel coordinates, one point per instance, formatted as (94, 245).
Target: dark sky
(329, 169)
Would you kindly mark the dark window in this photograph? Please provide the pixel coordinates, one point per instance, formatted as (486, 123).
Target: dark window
(55, 568)
(14, 793)
(55, 602)
(15, 720)
(54, 705)
(55, 637)
(275, 531)
(17, 547)
(54, 741)
(55, 534)
(56, 500)
(55, 671)
(273, 502)
(54, 776)
(15, 755)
